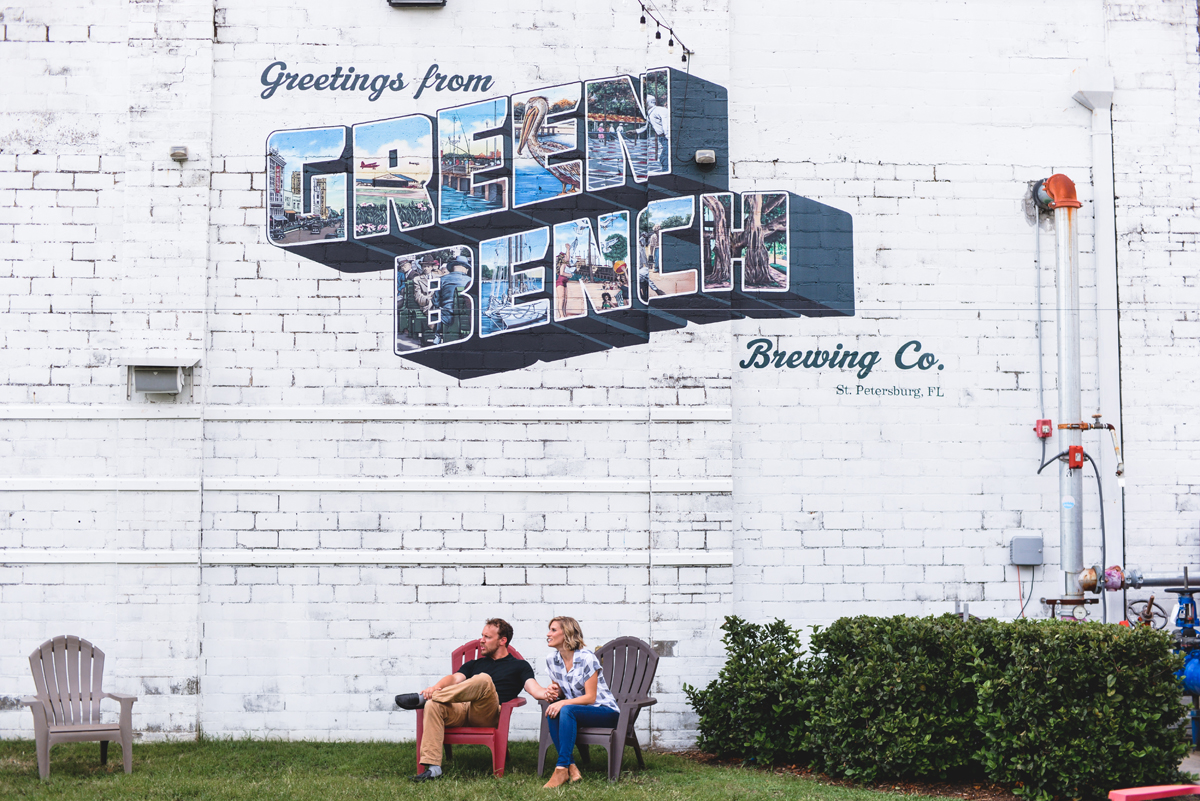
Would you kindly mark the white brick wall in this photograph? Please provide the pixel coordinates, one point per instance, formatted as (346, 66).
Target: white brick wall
(320, 523)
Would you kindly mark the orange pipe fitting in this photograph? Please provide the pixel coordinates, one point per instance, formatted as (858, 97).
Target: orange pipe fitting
(1061, 190)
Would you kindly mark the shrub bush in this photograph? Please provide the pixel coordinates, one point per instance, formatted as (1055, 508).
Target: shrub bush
(756, 706)
(893, 698)
(1077, 710)
(1055, 709)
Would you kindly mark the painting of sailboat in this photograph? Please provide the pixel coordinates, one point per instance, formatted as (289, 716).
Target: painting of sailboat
(504, 283)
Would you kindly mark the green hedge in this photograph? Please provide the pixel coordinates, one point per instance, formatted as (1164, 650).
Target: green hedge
(1055, 709)
(757, 708)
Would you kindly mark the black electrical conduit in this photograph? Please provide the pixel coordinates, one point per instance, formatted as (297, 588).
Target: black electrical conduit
(1103, 544)
(1103, 539)
(1046, 463)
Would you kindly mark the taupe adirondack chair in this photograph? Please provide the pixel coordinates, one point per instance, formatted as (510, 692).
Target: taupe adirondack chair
(68, 672)
(628, 665)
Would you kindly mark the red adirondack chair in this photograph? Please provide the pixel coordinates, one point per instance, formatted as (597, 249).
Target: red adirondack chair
(495, 739)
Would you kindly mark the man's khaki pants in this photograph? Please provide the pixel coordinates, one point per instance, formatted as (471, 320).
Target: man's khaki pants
(470, 703)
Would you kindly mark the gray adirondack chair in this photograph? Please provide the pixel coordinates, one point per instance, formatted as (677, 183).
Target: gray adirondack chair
(68, 672)
(628, 665)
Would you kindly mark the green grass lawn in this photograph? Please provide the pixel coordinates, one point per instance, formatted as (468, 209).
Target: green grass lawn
(245, 769)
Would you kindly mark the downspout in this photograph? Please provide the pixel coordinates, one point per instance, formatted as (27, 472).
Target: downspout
(1094, 92)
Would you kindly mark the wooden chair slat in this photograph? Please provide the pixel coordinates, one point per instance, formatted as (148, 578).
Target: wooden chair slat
(467, 652)
(97, 682)
(54, 677)
(39, 677)
(75, 690)
(62, 660)
(615, 676)
(45, 672)
(649, 668)
(86, 655)
(635, 667)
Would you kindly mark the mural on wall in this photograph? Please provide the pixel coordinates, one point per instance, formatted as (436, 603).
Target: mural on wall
(306, 204)
(625, 128)
(507, 282)
(539, 171)
(555, 222)
(433, 306)
(470, 146)
(392, 168)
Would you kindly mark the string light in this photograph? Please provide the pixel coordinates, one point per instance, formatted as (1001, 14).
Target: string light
(658, 25)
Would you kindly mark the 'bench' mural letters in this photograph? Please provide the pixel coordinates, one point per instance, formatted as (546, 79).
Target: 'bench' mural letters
(555, 222)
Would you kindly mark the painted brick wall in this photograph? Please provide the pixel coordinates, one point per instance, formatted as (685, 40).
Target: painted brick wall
(316, 524)
(1158, 246)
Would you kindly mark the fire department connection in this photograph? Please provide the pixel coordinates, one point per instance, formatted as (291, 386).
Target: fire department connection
(1056, 195)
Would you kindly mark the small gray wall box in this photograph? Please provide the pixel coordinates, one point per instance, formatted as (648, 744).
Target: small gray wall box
(160, 373)
(1025, 550)
(158, 379)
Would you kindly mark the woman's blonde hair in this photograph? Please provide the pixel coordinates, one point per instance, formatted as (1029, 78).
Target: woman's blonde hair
(572, 634)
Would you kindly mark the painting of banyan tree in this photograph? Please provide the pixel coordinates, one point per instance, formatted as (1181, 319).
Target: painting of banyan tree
(761, 243)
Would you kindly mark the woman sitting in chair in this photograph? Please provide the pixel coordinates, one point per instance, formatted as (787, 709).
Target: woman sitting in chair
(585, 699)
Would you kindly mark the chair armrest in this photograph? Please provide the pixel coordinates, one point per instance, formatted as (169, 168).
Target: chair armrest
(506, 710)
(123, 698)
(126, 702)
(41, 715)
(637, 703)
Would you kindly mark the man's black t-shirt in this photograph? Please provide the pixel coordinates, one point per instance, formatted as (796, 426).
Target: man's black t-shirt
(508, 674)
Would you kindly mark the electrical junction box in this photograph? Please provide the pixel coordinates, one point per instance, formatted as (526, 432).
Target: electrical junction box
(1075, 457)
(1025, 550)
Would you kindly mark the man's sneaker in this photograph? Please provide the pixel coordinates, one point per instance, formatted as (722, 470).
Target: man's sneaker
(426, 775)
(410, 701)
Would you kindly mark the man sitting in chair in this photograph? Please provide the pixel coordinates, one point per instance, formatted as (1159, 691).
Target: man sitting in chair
(473, 695)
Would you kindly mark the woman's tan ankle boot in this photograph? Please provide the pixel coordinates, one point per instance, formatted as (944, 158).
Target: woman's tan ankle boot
(557, 779)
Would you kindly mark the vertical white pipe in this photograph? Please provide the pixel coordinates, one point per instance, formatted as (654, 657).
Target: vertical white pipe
(1070, 482)
(1095, 92)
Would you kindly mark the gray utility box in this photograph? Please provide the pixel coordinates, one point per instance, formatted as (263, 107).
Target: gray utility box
(168, 380)
(1025, 550)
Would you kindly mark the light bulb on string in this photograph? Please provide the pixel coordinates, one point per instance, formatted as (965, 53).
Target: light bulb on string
(658, 31)
(684, 58)
(671, 45)
(643, 19)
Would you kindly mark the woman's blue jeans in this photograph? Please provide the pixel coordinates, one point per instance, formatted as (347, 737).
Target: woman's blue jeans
(564, 727)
